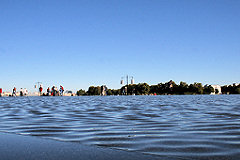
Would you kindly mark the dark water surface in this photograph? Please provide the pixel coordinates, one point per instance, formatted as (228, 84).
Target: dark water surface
(176, 126)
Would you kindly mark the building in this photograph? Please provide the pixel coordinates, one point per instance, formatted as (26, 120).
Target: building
(217, 89)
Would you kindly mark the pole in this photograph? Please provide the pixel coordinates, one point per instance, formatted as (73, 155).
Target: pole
(122, 82)
(38, 83)
(127, 86)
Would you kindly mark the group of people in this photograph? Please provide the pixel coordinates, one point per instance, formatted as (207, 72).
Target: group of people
(23, 92)
(53, 92)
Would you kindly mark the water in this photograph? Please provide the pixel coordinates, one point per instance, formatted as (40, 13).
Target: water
(174, 126)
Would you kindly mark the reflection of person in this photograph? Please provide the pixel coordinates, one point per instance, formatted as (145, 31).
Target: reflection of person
(0, 92)
(14, 92)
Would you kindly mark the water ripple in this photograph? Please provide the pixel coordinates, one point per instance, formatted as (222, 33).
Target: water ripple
(178, 126)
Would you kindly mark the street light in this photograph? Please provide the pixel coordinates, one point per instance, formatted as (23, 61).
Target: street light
(38, 84)
(122, 82)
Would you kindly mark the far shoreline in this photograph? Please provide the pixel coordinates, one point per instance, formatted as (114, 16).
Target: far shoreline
(125, 95)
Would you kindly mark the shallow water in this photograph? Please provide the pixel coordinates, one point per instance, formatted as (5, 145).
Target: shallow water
(176, 126)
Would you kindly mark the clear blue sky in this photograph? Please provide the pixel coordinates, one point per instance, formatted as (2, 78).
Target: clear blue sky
(78, 43)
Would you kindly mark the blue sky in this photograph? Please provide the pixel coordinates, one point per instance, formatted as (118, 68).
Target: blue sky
(78, 43)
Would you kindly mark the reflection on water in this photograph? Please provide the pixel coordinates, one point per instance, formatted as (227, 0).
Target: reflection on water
(180, 126)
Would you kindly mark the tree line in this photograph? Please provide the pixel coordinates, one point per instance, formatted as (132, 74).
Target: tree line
(231, 89)
(168, 88)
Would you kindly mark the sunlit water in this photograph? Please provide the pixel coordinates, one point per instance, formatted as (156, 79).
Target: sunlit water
(177, 126)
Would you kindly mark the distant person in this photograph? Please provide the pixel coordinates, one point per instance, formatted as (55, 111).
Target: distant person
(61, 90)
(14, 93)
(0, 92)
(56, 91)
(40, 89)
(25, 92)
(21, 92)
(53, 91)
(48, 91)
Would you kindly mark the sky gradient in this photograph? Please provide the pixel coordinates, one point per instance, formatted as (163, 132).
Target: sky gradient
(79, 43)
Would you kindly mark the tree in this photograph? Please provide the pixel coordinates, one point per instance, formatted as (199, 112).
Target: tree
(216, 91)
(231, 89)
(160, 88)
(109, 92)
(182, 88)
(153, 89)
(237, 90)
(94, 90)
(225, 89)
(142, 89)
(208, 89)
(116, 91)
(81, 92)
(90, 90)
(199, 88)
(196, 88)
(131, 88)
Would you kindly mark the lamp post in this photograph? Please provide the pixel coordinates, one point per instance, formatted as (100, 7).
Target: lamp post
(37, 84)
(122, 82)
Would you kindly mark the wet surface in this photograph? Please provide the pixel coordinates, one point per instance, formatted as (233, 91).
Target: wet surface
(36, 148)
(178, 126)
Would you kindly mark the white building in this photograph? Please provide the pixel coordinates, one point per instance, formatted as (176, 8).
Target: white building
(216, 87)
